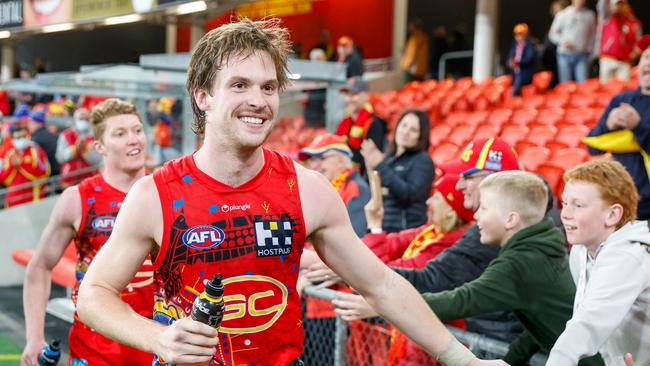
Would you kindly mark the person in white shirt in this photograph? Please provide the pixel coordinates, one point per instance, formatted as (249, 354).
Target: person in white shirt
(573, 31)
(610, 263)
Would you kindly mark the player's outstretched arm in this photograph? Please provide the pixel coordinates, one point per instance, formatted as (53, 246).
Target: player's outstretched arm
(329, 229)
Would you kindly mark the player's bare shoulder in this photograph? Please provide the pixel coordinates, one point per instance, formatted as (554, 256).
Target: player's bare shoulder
(141, 211)
(311, 178)
(319, 199)
(67, 210)
(314, 187)
(144, 190)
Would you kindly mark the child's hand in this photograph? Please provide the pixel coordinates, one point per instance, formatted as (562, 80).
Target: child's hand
(321, 275)
(352, 307)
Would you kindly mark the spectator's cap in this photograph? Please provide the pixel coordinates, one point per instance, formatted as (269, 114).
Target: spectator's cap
(345, 41)
(323, 144)
(16, 125)
(355, 85)
(490, 154)
(446, 185)
(37, 115)
(520, 29)
(643, 43)
(21, 111)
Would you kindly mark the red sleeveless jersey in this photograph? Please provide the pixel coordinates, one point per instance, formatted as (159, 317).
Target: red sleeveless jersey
(253, 235)
(100, 203)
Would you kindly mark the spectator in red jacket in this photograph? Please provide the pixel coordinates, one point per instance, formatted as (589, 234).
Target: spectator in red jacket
(621, 30)
(22, 163)
(75, 150)
(412, 248)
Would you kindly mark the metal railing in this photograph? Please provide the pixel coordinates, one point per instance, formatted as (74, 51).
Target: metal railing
(477, 343)
(51, 185)
(378, 64)
(442, 64)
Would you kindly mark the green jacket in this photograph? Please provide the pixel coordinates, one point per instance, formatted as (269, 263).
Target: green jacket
(530, 277)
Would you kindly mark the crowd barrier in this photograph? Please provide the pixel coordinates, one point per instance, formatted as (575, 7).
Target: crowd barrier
(50, 185)
(330, 340)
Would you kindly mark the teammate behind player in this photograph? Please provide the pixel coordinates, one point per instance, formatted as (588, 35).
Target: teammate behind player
(85, 214)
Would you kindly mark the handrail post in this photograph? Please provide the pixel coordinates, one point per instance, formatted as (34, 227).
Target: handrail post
(449, 56)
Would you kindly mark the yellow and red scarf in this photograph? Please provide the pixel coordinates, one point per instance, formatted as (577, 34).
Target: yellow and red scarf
(355, 130)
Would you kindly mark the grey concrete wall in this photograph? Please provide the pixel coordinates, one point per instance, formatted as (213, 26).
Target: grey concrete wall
(20, 227)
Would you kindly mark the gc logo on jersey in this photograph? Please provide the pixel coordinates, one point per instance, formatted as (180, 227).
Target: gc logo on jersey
(253, 303)
(103, 223)
(273, 238)
(203, 237)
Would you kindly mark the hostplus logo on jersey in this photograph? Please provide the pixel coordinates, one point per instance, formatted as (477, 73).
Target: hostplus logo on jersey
(103, 223)
(203, 237)
(230, 208)
(273, 237)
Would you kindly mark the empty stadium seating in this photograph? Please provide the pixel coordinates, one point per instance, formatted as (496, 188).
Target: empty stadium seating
(545, 125)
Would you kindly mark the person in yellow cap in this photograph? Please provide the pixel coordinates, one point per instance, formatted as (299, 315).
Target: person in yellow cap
(624, 130)
(331, 156)
(347, 52)
(521, 59)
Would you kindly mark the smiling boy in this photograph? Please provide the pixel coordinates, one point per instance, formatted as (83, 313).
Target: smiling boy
(610, 263)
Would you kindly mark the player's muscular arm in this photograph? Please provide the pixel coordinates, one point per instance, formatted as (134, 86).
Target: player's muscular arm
(56, 236)
(390, 295)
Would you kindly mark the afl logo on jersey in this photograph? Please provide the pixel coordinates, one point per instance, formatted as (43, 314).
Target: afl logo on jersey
(104, 223)
(203, 237)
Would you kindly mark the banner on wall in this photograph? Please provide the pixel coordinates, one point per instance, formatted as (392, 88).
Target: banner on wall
(11, 13)
(84, 9)
(44, 12)
(264, 8)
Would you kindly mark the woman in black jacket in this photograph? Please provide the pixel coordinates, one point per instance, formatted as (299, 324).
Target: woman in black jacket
(407, 172)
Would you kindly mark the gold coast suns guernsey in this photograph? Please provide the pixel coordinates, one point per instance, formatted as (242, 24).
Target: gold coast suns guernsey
(100, 203)
(253, 236)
